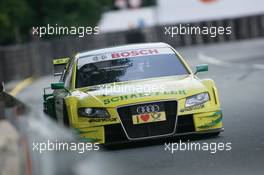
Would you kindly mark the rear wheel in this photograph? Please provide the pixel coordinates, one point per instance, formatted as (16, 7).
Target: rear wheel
(49, 107)
(65, 116)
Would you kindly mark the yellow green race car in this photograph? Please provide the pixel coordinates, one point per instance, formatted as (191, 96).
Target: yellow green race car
(133, 92)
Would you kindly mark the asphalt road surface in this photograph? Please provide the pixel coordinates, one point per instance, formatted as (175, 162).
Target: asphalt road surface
(238, 70)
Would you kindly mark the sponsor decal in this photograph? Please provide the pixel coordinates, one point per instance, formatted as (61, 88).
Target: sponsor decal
(102, 120)
(93, 140)
(141, 95)
(149, 117)
(123, 54)
(147, 109)
(208, 1)
(214, 122)
(134, 53)
(145, 117)
(192, 108)
(99, 58)
(156, 116)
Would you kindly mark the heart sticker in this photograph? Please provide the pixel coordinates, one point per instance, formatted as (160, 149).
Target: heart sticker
(144, 117)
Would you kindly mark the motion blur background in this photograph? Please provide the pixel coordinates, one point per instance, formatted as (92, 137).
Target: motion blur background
(236, 64)
(121, 21)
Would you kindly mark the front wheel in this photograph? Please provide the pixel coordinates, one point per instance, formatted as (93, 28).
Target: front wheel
(214, 134)
(206, 135)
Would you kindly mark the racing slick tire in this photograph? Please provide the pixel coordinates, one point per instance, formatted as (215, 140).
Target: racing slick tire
(65, 116)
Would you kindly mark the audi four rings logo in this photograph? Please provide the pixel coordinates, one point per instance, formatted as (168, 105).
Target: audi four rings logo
(148, 109)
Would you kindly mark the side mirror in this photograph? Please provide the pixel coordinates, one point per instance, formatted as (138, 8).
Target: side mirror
(201, 68)
(59, 85)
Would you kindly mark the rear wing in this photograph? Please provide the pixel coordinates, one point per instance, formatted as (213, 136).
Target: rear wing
(59, 65)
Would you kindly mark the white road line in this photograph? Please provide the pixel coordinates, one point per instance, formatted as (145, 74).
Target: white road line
(217, 62)
(211, 60)
(258, 66)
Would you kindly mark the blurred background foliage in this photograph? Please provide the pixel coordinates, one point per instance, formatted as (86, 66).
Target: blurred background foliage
(17, 17)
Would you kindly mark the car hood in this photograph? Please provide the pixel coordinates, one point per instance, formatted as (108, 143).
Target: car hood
(154, 89)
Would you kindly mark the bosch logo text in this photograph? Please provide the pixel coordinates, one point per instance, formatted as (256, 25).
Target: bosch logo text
(135, 53)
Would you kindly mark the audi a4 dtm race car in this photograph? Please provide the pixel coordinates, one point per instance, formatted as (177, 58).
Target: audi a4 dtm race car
(133, 92)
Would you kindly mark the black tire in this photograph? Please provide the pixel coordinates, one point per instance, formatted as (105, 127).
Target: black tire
(209, 135)
(65, 116)
(214, 134)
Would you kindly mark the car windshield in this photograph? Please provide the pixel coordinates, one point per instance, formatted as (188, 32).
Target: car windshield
(127, 69)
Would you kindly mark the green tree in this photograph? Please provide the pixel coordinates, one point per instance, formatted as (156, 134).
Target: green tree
(13, 15)
(17, 17)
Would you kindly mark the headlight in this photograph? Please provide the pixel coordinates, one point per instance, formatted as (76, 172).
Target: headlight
(197, 99)
(94, 112)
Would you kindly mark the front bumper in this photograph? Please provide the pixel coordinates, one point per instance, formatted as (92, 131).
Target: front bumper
(201, 123)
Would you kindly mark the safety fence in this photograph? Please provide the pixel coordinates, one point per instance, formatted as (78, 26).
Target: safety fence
(10, 108)
(21, 129)
(34, 59)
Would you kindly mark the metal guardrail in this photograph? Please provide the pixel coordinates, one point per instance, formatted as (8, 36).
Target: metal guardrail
(2, 112)
(36, 129)
(33, 127)
(34, 59)
(10, 108)
(9, 103)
